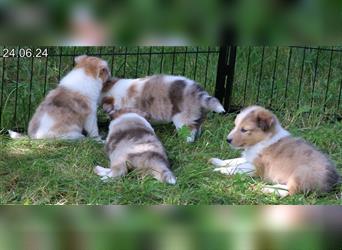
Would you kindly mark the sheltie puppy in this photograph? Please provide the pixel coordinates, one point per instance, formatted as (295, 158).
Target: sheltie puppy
(132, 144)
(272, 153)
(165, 98)
(71, 108)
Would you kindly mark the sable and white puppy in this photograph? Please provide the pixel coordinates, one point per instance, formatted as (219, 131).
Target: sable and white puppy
(71, 107)
(166, 98)
(272, 153)
(132, 144)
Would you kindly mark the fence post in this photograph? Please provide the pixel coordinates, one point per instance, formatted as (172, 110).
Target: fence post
(225, 75)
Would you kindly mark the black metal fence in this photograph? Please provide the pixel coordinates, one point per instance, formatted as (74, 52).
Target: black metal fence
(281, 78)
(25, 81)
(289, 78)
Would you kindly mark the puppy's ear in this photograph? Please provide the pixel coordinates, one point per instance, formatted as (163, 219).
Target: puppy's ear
(108, 104)
(78, 59)
(104, 73)
(109, 84)
(265, 120)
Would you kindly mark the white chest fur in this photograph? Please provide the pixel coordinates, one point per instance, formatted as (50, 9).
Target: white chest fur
(253, 152)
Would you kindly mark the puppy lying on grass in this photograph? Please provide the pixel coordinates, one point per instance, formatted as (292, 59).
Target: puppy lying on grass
(71, 108)
(132, 144)
(272, 153)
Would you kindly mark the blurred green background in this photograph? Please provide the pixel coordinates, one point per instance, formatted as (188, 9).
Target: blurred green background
(160, 227)
(151, 22)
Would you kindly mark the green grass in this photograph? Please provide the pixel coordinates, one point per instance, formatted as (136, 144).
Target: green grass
(47, 172)
(60, 172)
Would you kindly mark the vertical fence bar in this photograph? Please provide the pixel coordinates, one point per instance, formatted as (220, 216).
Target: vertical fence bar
(206, 68)
(137, 62)
(230, 78)
(73, 56)
(225, 75)
(314, 80)
(45, 74)
(340, 92)
(328, 81)
(221, 75)
(173, 60)
(301, 77)
(287, 76)
(274, 76)
(184, 64)
(260, 73)
(16, 90)
(125, 61)
(195, 68)
(30, 92)
(60, 64)
(339, 95)
(113, 53)
(149, 61)
(161, 60)
(2, 89)
(246, 78)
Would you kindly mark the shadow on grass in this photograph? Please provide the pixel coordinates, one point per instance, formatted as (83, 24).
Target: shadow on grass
(45, 170)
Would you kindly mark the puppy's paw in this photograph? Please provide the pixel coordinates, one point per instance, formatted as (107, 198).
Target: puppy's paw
(14, 135)
(99, 139)
(169, 178)
(235, 162)
(105, 178)
(279, 190)
(226, 170)
(219, 109)
(101, 171)
(217, 162)
(190, 139)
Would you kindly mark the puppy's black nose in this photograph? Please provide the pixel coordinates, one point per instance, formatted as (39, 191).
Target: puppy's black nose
(229, 140)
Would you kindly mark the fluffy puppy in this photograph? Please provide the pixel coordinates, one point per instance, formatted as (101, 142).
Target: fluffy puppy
(132, 144)
(71, 107)
(272, 153)
(166, 98)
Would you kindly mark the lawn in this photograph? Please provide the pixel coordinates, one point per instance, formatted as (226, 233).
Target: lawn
(304, 87)
(60, 172)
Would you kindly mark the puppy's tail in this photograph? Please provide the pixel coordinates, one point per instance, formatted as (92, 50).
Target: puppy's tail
(16, 135)
(207, 102)
(211, 103)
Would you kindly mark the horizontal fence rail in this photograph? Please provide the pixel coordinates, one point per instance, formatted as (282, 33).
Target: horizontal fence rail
(26, 80)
